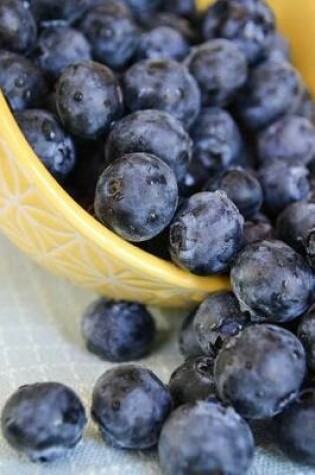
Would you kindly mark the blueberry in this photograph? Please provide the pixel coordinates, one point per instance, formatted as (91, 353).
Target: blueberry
(206, 233)
(88, 99)
(250, 24)
(217, 319)
(180, 24)
(295, 428)
(144, 8)
(193, 381)
(310, 248)
(64, 10)
(213, 18)
(162, 42)
(260, 371)
(272, 282)
(283, 183)
(278, 48)
(49, 141)
(188, 342)
(43, 420)
(306, 107)
(205, 438)
(60, 46)
(18, 29)
(311, 168)
(217, 140)
(306, 333)
(136, 196)
(241, 187)
(118, 331)
(164, 85)
(185, 8)
(48, 9)
(273, 90)
(258, 228)
(112, 33)
(193, 180)
(154, 132)
(21, 82)
(220, 70)
(295, 225)
(130, 405)
(291, 138)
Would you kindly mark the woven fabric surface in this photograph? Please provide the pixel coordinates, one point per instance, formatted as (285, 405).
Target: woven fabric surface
(40, 341)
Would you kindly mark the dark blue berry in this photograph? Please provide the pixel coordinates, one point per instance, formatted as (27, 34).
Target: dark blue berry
(118, 331)
(206, 233)
(63, 10)
(60, 46)
(162, 42)
(136, 196)
(217, 320)
(21, 82)
(49, 141)
(291, 138)
(272, 282)
(311, 168)
(180, 24)
(250, 24)
(294, 428)
(205, 438)
(187, 340)
(279, 48)
(310, 248)
(130, 405)
(283, 183)
(241, 187)
(273, 90)
(144, 8)
(216, 139)
(306, 333)
(295, 225)
(88, 99)
(164, 85)
(48, 9)
(112, 33)
(193, 180)
(193, 381)
(260, 371)
(185, 8)
(258, 228)
(212, 20)
(43, 420)
(18, 29)
(154, 132)
(220, 70)
(307, 107)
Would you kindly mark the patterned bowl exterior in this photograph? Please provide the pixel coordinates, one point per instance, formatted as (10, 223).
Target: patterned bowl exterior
(43, 221)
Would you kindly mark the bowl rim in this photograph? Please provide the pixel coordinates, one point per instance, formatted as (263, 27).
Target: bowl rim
(13, 139)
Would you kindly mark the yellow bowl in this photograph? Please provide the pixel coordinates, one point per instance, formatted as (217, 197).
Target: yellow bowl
(42, 220)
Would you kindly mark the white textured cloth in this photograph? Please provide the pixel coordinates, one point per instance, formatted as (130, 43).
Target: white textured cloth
(40, 341)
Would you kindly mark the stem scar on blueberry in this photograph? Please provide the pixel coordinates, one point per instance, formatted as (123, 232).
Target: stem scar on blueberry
(78, 96)
(114, 189)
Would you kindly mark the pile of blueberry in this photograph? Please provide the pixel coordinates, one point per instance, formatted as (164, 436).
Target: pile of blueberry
(192, 136)
(188, 134)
